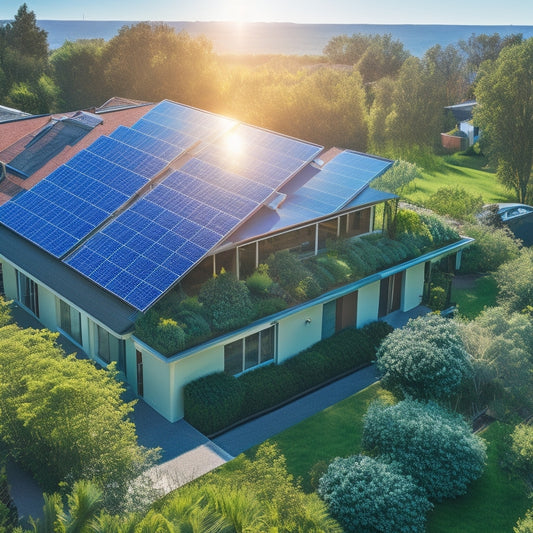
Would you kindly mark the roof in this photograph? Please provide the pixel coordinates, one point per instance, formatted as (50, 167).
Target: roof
(135, 210)
(7, 114)
(16, 136)
(462, 112)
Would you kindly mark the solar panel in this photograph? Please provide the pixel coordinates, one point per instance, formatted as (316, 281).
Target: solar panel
(125, 156)
(338, 183)
(146, 143)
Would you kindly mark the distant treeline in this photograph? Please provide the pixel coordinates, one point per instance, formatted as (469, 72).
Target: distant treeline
(366, 92)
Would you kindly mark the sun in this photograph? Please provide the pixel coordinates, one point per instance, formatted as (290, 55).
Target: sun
(238, 11)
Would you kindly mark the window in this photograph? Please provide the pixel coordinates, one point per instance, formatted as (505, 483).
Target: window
(70, 321)
(249, 352)
(111, 349)
(28, 294)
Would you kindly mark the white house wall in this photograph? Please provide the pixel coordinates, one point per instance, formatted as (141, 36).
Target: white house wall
(368, 304)
(413, 287)
(299, 331)
(10, 281)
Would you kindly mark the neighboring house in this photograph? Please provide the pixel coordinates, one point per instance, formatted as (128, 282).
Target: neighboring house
(124, 214)
(7, 114)
(465, 127)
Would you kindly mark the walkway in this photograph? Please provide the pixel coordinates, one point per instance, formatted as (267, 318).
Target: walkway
(186, 453)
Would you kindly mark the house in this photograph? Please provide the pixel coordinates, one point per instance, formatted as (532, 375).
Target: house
(467, 134)
(109, 211)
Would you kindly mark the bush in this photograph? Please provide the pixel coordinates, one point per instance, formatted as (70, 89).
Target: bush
(425, 359)
(492, 248)
(437, 298)
(366, 494)
(265, 387)
(287, 270)
(515, 283)
(522, 451)
(226, 301)
(307, 289)
(213, 402)
(441, 233)
(455, 202)
(194, 325)
(269, 306)
(338, 268)
(163, 334)
(433, 445)
(259, 283)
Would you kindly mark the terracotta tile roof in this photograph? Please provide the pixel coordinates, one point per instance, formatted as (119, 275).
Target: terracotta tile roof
(16, 134)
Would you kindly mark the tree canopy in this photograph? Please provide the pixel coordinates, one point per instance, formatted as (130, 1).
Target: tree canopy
(65, 420)
(504, 114)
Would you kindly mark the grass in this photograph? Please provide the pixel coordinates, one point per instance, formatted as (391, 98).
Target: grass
(474, 180)
(493, 503)
(471, 301)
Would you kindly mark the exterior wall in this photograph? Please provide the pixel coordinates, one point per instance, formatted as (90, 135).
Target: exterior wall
(295, 333)
(453, 143)
(368, 304)
(467, 128)
(413, 288)
(10, 281)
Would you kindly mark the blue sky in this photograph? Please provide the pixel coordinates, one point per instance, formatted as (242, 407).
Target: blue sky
(517, 12)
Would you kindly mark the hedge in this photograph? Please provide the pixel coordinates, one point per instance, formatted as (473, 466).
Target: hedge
(219, 400)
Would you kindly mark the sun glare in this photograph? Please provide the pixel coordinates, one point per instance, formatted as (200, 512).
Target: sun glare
(234, 144)
(238, 11)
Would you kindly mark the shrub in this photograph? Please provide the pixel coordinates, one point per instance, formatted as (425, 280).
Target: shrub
(441, 233)
(455, 202)
(194, 324)
(437, 298)
(226, 301)
(267, 386)
(163, 334)
(492, 247)
(408, 221)
(515, 283)
(433, 445)
(366, 494)
(522, 451)
(338, 268)
(269, 306)
(286, 269)
(307, 289)
(259, 283)
(425, 359)
(213, 402)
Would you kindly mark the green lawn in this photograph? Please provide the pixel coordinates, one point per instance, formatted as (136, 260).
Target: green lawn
(493, 504)
(475, 181)
(470, 302)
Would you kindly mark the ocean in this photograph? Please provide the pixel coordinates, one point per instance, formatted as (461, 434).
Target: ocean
(282, 38)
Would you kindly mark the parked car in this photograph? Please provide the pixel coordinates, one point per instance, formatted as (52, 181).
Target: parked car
(518, 218)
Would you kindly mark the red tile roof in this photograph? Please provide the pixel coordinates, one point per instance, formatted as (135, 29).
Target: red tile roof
(16, 134)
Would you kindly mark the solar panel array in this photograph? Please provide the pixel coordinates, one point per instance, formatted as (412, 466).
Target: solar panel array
(71, 202)
(139, 255)
(338, 182)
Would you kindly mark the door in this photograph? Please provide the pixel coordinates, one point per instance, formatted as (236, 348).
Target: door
(346, 316)
(390, 294)
(140, 380)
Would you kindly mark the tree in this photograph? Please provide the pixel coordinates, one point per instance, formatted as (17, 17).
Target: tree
(483, 47)
(418, 100)
(23, 52)
(500, 343)
(432, 444)
(367, 494)
(515, 283)
(78, 72)
(425, 359)
(152, 62)
(505, 115)
(64, 420)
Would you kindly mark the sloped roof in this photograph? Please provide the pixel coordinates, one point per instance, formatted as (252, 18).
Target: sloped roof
(462, 112)
(135, 211)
